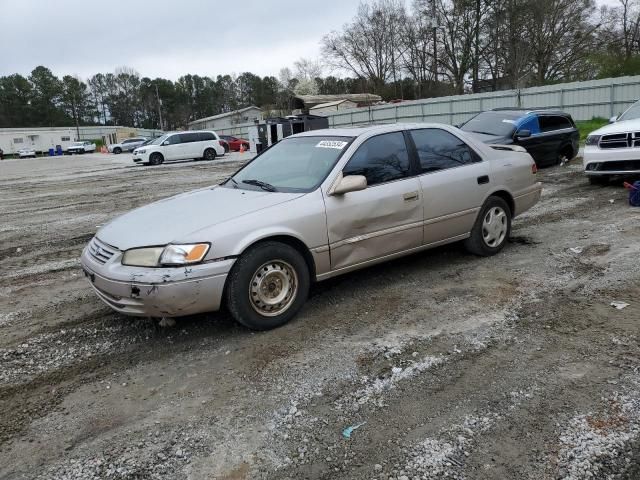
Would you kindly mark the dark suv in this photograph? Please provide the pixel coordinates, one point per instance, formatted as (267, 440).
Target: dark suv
(549, 136)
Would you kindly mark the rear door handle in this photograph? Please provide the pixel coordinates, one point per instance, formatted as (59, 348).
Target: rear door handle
(411, 196)
(483, 179)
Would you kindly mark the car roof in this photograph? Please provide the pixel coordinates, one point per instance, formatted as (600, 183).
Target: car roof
(528, 111)
(357, 131)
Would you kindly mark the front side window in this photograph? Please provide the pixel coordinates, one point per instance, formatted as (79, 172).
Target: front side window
(380, 159)
(174, 140)
(298, 164)
(438, 150)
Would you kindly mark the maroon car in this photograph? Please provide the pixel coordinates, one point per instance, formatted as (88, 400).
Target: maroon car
(235, 142)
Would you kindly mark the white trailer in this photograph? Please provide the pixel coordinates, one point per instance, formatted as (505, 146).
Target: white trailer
(40, 140)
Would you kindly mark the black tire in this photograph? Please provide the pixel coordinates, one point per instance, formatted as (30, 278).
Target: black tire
(156, 159)
(598, 179)
(243, 292)
(226, 148)
(565, 155)
(117, 150)
(477, 243)
(209, 154)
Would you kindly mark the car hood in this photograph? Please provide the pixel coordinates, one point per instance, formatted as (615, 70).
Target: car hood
(619, 127)
(174, 218)
(483, 137)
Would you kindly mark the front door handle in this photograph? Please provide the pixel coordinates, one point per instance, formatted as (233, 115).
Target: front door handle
(411, 196)
(483, 179)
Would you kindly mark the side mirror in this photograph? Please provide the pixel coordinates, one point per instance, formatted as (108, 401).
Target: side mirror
(523, 133)
(613, 119)
(349, 183)
(166, 142)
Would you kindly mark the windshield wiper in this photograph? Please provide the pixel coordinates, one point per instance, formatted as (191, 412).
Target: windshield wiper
(263, 185)
(484, 133)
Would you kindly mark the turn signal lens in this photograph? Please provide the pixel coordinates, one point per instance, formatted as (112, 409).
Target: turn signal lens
(184, 254)
(534, 168)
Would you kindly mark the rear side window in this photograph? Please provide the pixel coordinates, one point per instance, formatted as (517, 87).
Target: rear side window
(189, 137)
(438, 150)
(206, 136)
(549, 123)
(381, 159)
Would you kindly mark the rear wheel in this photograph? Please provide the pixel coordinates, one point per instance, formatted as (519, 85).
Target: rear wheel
(209, 154)
(565, 155)
(267, 286)
(117, 150)
(156, 159)
(492, 228)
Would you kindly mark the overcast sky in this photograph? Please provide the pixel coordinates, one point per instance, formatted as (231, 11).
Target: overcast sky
(166, 38)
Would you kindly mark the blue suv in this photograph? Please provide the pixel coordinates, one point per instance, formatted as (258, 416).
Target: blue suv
(550, 136)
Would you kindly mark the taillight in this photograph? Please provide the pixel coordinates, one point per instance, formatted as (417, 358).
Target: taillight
(221, 143)
(534, 168)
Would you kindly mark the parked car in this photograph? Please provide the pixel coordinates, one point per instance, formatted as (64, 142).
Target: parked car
(551, 137)
(315, 205)
(180, 146)
(235, 142)
(26, 153)
(81, 147)
(128, 145)
(612, 150)
(631, 113)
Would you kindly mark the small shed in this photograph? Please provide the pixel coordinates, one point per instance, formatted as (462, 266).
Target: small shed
(329, 107)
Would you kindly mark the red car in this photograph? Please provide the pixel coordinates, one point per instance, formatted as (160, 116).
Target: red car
(235, 142)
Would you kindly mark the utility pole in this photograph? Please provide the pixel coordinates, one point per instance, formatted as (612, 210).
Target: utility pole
(75, 115)
(159, 105)
(434, 25)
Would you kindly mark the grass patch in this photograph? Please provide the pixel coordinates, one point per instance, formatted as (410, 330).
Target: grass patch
(585, 127)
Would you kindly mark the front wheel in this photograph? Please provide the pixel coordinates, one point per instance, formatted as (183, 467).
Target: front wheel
(117, 151)
(155, 159)
(491, 229)
(267, 286)
(209, 154)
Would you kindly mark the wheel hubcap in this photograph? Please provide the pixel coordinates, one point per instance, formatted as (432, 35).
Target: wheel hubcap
(494, 227)
(273, 288)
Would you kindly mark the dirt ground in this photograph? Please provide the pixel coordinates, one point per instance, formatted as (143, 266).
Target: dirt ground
(443, 364)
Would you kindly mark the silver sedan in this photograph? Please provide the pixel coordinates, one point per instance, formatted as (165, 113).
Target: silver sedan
(315, 205)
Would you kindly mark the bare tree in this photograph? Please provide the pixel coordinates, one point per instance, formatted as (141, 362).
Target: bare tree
(369, 47)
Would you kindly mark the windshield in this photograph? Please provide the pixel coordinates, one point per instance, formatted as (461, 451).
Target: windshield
(492, 123)
(297, 164)
(158, 141)
(632, 113)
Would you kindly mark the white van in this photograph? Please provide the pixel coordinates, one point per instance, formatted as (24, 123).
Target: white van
(180, 146)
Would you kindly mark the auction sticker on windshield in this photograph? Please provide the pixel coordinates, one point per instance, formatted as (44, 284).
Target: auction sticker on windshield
(337, 144)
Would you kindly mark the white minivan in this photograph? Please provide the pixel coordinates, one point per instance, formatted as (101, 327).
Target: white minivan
(180, 146)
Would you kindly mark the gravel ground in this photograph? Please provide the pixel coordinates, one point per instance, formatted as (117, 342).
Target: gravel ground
(438, 365)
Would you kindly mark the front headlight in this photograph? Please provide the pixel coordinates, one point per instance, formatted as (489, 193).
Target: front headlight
(184, 254)
(171, 255)
(142, 257)
(593, 139)
(141, 151)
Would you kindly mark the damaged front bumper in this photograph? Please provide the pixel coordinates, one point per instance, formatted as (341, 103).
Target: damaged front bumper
(157, 292)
